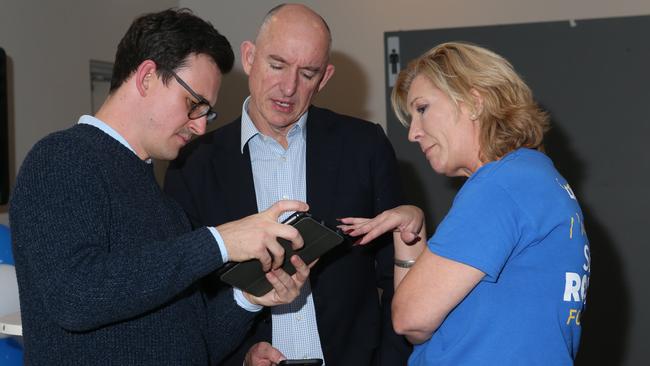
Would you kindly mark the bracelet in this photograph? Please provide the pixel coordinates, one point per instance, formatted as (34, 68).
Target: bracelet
(404, 263)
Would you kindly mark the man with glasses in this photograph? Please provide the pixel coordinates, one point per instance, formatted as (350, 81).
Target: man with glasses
(199, 108)
(109, 268)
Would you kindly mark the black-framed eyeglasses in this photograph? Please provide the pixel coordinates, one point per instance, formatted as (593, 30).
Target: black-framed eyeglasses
(200, 109)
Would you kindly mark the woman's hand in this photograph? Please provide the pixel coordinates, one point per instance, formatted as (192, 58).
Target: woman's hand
(407, 220)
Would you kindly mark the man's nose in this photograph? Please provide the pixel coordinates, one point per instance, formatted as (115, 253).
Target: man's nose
(198, 126)
(289, 83)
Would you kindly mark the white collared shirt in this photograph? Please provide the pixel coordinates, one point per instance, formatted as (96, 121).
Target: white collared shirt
(280, 174)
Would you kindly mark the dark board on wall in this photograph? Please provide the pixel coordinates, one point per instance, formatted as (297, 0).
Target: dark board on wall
(593, 77)
(4, 131)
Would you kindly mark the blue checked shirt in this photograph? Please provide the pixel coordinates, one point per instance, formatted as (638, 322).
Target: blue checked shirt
(279, 174)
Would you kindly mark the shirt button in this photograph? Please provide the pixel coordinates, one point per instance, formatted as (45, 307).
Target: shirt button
(298, 317)
(283, 158)
(285, 197)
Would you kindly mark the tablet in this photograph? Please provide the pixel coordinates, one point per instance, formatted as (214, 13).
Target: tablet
(318, 238)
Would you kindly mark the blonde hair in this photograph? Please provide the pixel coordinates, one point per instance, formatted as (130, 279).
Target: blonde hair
(509, 117)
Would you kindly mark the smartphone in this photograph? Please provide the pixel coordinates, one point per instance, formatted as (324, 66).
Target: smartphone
(294, 217)
(305, 362)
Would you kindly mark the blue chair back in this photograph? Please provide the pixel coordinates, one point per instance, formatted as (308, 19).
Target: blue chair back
(11, 352)
(5, 246)
(11, 349)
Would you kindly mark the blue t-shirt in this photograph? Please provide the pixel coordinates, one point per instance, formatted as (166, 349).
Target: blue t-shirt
(518, 221)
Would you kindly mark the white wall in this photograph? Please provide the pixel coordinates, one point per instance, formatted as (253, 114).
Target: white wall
(358, 28)
(49, 45)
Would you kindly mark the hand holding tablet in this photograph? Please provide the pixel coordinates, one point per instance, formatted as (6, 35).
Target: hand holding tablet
(318, 238)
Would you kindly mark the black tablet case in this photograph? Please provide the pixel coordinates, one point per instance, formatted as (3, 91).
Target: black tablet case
(318, 239)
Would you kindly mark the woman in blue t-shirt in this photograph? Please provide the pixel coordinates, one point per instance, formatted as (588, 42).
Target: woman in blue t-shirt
(503, 280)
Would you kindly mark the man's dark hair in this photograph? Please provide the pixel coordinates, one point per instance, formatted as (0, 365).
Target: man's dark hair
(167, 38)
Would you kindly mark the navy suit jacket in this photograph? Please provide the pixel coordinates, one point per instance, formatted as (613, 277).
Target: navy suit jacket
(351, 171)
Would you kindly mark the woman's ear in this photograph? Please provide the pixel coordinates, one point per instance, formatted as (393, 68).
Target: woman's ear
(477, 105)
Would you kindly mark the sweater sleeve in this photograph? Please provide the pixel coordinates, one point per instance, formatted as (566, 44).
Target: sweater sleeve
(227, 323)
(86, 274)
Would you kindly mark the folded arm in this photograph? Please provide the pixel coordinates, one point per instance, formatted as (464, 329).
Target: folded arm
(428, 292)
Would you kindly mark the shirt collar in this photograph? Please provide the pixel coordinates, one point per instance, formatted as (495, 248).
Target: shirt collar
(248, 129)
(95, 122)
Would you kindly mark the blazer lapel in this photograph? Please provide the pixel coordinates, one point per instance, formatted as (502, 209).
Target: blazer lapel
(233, 172)
(323, 164)
(234, 175)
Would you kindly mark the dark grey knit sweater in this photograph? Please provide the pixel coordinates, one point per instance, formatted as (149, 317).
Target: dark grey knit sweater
(108, 269)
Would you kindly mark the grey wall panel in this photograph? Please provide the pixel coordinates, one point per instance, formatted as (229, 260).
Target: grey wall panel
(593, 77)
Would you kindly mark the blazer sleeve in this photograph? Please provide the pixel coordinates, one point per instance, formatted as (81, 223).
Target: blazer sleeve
(177, 186)
(393, 348)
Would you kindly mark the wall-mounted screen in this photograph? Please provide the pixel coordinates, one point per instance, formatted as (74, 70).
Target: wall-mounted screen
(4, 131)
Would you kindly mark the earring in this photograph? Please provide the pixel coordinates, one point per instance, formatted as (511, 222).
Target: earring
(473, 117)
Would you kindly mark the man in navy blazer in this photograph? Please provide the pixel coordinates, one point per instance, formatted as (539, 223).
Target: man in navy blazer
(283, 147)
